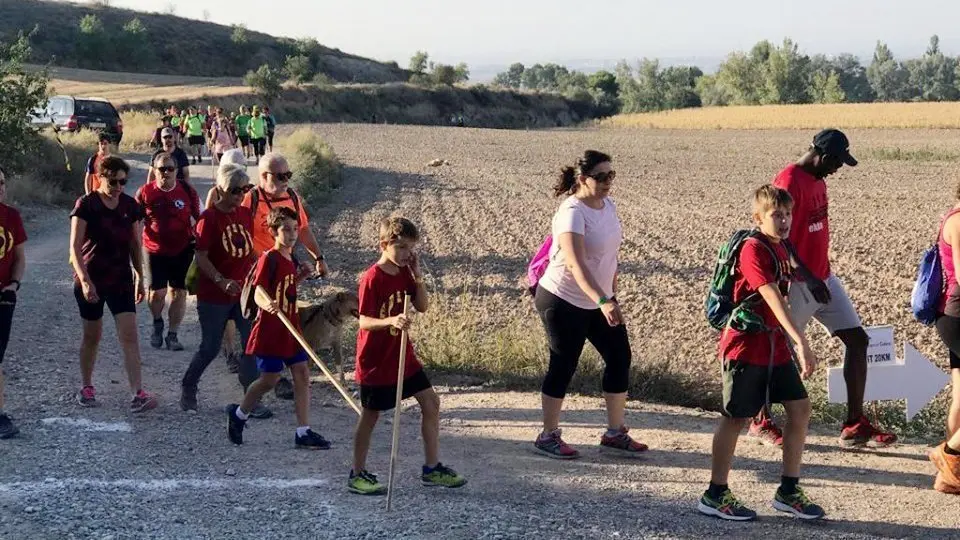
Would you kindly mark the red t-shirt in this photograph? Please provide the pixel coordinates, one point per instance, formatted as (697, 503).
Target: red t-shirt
(110, 237)
(378, 352)
(810, 234)
(269, 336)
(12, 235)
(756, 268)
(167, 229)
(225, 236)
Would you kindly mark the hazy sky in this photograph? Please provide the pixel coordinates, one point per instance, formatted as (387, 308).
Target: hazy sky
(500, 32)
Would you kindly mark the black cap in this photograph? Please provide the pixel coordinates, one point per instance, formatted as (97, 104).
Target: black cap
(833, 142)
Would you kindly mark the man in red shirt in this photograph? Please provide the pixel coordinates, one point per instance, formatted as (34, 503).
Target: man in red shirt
(170, 207)
(821, 295)
(270, 341)
(12, 265)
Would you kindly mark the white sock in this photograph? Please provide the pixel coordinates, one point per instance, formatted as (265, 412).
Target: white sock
(241, 415)
(302, 431)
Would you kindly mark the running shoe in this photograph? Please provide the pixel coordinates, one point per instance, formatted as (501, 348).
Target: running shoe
(156, 339)
(797, 504)
(621, 444)
(87, 397)
(766, 432)
(283, 389)
(234, 425)
(7, 429)
(442, 476)
(552, 445)
(312, 441)
(727, 506)
(948, 470)
(365, 483)
(173, 343)
(862, 434)
(143, 401)
(188, 399)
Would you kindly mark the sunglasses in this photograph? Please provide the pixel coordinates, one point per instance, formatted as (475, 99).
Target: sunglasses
(115, 183)
(283, 177)
(240, 190)
(166, 170)
(604, 177)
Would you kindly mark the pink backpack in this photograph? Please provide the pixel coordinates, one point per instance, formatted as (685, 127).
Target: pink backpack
(538, 264)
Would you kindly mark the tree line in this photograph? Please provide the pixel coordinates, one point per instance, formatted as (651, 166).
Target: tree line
(767, 74)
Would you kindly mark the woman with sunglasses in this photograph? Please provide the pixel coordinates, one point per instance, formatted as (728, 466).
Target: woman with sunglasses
(170, 207)
(104, 241)
(576, 301)
(224, 256)
(12, 266)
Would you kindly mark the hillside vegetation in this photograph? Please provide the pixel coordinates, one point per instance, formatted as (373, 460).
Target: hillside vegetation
(94, 36)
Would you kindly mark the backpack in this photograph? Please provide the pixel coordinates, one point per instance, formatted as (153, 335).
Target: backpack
(255, 200)
(538, 264)
(248, 303)
(721, 311)
(930, 285)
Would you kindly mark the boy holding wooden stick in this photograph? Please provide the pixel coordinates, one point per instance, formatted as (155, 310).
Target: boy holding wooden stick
(382, 321)
(273, 345)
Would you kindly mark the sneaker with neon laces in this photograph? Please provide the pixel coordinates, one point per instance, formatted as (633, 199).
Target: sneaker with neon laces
(766, 432)
(862, 434)
(621, 444)
(365, 483)
(551, 445)
(87, 397)
(143, 401)
(797, 504)
(442, 476)
(727, 506)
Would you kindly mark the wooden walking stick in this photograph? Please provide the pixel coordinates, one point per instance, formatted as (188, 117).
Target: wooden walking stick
(396, 410)
(265, 296)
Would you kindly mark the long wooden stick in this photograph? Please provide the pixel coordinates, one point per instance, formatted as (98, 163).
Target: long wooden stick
(265, 296)
(396, 410)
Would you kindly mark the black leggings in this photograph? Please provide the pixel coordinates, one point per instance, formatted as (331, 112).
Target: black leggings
(8, 302)
(949, 329)
(568, 328)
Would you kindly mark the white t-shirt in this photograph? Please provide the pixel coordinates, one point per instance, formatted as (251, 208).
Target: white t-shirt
(602, 235)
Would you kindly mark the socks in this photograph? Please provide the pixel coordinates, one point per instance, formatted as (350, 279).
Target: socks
(716, 490)
(242, 415)
(302, 431)
(612, 432)
(946, 448)
(428, 469)
(788, 484)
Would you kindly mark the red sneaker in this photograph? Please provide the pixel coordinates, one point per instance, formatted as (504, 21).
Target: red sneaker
(767, 432)
(621, 444)
(862, 434)
(552, 445)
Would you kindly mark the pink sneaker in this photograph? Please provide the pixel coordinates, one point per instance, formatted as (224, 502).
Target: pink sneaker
(143, 401)
(766, 432)
(552, 445)
(621, 444)
(87, 397)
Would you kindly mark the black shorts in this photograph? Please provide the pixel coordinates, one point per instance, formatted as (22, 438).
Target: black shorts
(244, 139)
(118, 302)
(383, 398)
(195, 139)
(949, 329)
(169, 270)
(745, 387)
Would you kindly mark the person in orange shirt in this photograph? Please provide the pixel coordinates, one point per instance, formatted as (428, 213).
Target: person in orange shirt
(91, 181)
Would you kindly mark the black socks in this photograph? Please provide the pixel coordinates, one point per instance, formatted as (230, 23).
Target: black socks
(788, 484)
(950, 451)
(716, 490)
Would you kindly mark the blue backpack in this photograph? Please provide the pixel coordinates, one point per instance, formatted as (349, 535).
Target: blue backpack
(928, 289)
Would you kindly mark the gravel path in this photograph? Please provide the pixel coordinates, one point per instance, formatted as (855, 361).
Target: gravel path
(102, 473)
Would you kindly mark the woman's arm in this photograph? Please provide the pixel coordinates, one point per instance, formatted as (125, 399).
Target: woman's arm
(78, 235)
(571, 244)
(951, 233)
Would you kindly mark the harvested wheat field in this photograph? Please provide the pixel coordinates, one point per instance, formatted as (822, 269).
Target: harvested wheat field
(132, 88)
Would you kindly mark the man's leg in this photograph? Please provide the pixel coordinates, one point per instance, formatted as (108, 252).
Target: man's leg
(855, 340)
(178, 305)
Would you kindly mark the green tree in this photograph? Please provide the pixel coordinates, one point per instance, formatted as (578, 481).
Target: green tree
(92, 43)
(299, 68)
(239, 35)
(21, 92)
(265, 81)
(444, 74)
(785, 74)
(712, 91)
(742, 77)
(825, 88)
(887, 76)
(932, 77)
(604, 81)
(462, 72)
(512, 77)
(680, 87)
(419, 62)
(134, 43)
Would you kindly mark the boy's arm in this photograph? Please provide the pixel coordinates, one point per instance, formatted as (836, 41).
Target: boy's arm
(771, 295)
(420, 299)
(372, 324)
(368, 306)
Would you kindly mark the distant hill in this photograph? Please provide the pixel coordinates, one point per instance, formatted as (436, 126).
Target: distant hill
(167, 44)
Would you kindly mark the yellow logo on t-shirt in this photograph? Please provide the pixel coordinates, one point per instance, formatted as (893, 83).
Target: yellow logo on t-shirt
(236, 240)
(284, 302)
(6, 242)
(386, 308)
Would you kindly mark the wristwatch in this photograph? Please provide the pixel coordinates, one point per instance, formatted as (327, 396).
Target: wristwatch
(319, 258)
(603, 300)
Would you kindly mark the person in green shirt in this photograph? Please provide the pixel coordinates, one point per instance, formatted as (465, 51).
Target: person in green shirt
(175, 123)
(257, 129)
(195, 126)
(242, 120)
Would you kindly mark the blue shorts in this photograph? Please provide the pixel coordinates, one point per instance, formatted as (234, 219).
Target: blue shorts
(274, 364)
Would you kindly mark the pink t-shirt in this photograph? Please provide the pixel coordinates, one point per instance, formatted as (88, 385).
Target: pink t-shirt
(602, 235)
(950, 300)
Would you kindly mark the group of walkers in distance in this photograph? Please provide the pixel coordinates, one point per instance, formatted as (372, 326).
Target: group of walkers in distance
(778, 277)
(214, 132)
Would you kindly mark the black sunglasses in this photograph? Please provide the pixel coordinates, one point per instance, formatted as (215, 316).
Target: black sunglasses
(114, 182)
(283, 177)
(166, 169)
(240, 190)
(603, 177)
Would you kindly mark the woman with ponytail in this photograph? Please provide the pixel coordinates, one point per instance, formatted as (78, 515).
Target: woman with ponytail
(576, 301)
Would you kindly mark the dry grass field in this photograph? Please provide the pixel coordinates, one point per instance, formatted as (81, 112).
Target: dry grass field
(679, 193)
(132, 88)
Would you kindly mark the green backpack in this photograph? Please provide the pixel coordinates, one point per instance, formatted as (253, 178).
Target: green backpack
(720, 308)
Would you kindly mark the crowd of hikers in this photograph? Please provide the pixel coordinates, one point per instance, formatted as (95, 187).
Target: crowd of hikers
(213, 131)
(770, 279)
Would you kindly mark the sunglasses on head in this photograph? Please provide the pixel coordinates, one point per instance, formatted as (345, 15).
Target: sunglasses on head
(603, 176)
(240, 190)
(166, 169)
(283, 177)
(115, 182)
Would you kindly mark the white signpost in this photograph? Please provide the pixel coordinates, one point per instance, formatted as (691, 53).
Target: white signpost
(913, 378)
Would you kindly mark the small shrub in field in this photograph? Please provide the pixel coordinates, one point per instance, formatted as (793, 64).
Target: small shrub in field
(316, 169)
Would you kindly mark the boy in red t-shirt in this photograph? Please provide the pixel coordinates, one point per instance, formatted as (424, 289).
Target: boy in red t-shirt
(382, 290)
(758, 367)
(12, 264)
(270, 341)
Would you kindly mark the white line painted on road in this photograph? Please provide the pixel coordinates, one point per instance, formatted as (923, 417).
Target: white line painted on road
(167, 484)
(89, 425)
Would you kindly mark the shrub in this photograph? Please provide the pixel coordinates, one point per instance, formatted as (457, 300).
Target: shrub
(299, 68)
(265, 81)
(47, 179)
(20, 93)
(316, 169)
(138, 129)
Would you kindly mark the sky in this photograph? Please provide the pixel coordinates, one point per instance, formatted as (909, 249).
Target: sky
(499, 32)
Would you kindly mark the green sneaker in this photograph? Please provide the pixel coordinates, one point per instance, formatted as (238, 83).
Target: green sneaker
(365, 483)
(797, 504)
(726, 507)
(441, 475)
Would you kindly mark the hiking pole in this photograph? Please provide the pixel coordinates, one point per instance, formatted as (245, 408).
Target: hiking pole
(261, 292)
(396, 411)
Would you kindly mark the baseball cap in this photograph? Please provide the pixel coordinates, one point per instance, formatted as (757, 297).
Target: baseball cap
(834, 143)
(166, 132)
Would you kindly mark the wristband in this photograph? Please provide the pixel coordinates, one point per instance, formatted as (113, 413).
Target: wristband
(319, 258)
(603, 300)
(17, 281)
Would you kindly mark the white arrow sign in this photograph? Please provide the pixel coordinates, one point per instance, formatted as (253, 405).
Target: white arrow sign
(915, 379)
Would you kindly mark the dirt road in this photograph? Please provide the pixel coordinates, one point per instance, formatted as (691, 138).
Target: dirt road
(102, 473)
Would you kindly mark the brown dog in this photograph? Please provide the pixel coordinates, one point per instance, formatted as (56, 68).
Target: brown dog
(322, 324)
